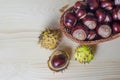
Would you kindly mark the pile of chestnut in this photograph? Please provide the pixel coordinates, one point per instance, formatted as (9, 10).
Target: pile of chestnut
(93, 19)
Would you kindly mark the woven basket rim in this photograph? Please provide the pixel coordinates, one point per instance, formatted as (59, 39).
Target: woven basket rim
(62, 27)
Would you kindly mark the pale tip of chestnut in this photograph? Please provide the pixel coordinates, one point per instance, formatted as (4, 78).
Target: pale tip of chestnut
(108, 18)
(104, 31)
(79, 33)
(90, 24)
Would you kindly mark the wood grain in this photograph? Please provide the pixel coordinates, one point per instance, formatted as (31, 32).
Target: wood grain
(22, 58)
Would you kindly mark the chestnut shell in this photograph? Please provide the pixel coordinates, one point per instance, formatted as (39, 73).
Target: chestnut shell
(55, 54)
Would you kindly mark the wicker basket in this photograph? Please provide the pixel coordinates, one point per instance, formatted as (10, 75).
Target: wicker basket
(62, 27)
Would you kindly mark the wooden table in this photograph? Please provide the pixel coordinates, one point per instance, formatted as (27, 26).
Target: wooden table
(22, 58)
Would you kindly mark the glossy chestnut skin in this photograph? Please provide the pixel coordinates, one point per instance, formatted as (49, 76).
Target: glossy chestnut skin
(108, 5)
(58, 61)
(80, 5)
(108, 18)
(90, 22)
(91, 35)
(116, 27)
(81, 13)
(69, 20)
(93, 4)
(79, 32)
(104, 30)
(116, 14)
(100, 14)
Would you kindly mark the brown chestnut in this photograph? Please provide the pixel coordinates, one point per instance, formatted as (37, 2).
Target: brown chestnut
(93, 4)
(91, 35)
(116, 27)
(80, 5)
(100, 14)
(108, 5)
(104, 30)
(79, 32)
(59, 60)
(81, 13)
(116, 13)
(69, 20)
(90, 22)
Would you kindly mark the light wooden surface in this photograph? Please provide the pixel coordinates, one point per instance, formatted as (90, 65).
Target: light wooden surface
(22, 58)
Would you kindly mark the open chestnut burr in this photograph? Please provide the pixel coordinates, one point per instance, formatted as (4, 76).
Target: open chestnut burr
(96, 21)
(59, 60)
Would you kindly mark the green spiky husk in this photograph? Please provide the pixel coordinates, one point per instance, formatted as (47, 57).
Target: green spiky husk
(83, 54)
(49, 38)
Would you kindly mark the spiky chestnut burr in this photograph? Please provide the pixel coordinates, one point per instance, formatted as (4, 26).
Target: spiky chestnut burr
(84, 54)
(49, 38)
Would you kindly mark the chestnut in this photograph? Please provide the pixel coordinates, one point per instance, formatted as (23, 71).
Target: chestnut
(116, 27)
(116, 13)
(59, 60)
(108, 5)
(81, 13)
(91, 35)
(80, 5)
(104, 30)
(93, 4)
(79, 32)
(69, 20)
(108, 18)
(90, 22)
(100, 14)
